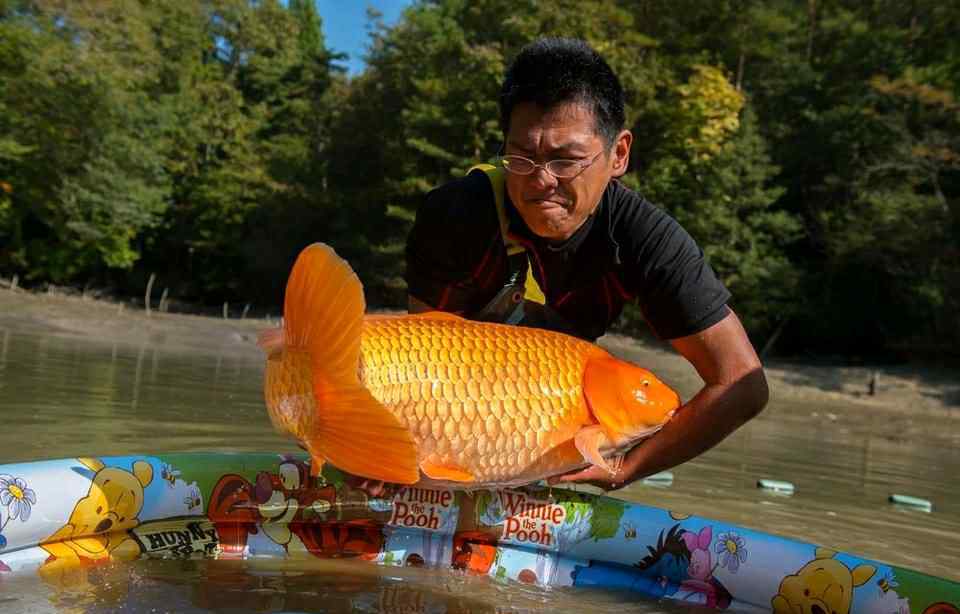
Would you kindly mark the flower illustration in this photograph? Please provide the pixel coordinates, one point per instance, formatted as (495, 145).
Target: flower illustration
(732, 551)
(16, 497)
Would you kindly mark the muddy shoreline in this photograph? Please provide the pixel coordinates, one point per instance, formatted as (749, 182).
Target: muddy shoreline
(902, 388)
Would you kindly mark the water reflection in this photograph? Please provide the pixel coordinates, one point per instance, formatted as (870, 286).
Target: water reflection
(64, 396)
(313, 585)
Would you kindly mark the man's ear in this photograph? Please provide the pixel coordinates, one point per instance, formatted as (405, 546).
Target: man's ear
(621, 153)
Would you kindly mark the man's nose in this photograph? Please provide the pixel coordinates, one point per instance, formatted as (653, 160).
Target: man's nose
(542, 178)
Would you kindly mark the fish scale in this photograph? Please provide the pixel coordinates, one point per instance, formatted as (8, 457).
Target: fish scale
(516, 393)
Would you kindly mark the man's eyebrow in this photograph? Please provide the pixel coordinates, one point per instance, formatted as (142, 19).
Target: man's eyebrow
(514, 145)
(564, 148)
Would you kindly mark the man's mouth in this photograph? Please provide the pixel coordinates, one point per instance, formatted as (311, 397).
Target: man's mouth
(546, 202)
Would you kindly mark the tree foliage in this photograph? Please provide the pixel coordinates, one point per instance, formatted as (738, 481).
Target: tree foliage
(812, 148)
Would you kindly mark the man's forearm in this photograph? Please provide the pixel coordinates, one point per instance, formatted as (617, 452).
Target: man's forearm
(706, 420)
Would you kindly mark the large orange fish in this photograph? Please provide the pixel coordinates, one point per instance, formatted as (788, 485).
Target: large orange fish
(465, 403)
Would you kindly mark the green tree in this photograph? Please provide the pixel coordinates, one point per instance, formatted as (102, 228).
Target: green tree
(896, 241)
(425, 110)
(249, 160)
(89, 174)
(712, 171)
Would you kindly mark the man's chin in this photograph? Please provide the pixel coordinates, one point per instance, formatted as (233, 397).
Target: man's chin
(546, 222)
(551, 232)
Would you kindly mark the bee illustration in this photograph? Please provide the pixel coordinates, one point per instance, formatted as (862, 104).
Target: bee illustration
(193, 499)
(887, 582)
(629, 531)
(169, 474)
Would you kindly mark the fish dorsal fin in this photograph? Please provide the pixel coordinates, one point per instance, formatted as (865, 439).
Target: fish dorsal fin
(323, 311)
(453, 473)
(323, 316)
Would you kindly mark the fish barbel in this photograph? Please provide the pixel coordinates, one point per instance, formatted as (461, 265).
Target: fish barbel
(468, 404)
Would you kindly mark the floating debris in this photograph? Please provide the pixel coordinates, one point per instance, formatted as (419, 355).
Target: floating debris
(777, 486)
(664, 478)
(912, 502)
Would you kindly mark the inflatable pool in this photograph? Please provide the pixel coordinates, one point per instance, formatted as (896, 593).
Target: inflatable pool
(59, 518)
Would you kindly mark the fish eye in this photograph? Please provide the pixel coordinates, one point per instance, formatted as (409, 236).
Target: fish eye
(645, 383)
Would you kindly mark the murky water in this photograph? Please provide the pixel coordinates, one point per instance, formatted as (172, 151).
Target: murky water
(63, 396)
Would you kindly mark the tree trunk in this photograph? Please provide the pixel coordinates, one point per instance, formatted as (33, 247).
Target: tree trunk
(773, 338)
(914, 26)
(740, 65)
(811, 27)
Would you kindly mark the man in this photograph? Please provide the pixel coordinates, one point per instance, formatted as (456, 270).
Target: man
(563, 221)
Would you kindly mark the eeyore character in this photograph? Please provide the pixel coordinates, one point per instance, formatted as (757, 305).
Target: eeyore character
(679, 567)
(658, 575)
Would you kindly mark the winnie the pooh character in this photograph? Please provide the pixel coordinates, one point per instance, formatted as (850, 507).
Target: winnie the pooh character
(822, 586)
(96, 531)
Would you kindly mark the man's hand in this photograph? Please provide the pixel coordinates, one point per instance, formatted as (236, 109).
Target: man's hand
(594, 476)
(735, 390)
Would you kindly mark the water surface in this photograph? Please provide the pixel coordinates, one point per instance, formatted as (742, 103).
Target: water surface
(63, 396)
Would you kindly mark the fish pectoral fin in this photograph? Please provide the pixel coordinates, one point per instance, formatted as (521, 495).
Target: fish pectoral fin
(452, 473)
(357, 434)
(588, 441)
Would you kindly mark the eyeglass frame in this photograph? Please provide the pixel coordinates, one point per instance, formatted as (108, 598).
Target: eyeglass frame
(582, 163)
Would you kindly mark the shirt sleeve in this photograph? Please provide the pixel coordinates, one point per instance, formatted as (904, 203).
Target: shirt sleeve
(450, 236)
(678, 291)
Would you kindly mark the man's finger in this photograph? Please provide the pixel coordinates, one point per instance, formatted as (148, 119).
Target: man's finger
(566, 477)
(586, 474)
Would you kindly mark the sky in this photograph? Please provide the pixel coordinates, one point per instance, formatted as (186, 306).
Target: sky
(345, 25)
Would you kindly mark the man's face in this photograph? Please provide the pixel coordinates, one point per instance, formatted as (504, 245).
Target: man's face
(552, 208)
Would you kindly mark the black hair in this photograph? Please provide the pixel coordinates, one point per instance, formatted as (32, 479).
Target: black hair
(552, 71)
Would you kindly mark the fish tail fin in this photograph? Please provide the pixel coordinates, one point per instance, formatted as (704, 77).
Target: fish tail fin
(323, 315)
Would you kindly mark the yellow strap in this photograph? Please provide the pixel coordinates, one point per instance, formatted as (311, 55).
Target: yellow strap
(531, 289)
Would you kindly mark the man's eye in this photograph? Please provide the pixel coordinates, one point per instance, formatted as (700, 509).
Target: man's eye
(564, 165)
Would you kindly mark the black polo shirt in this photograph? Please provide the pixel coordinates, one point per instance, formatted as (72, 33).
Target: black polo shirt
(627, 250)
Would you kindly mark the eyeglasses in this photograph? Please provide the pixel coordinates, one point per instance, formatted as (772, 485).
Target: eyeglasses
(561, 169)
